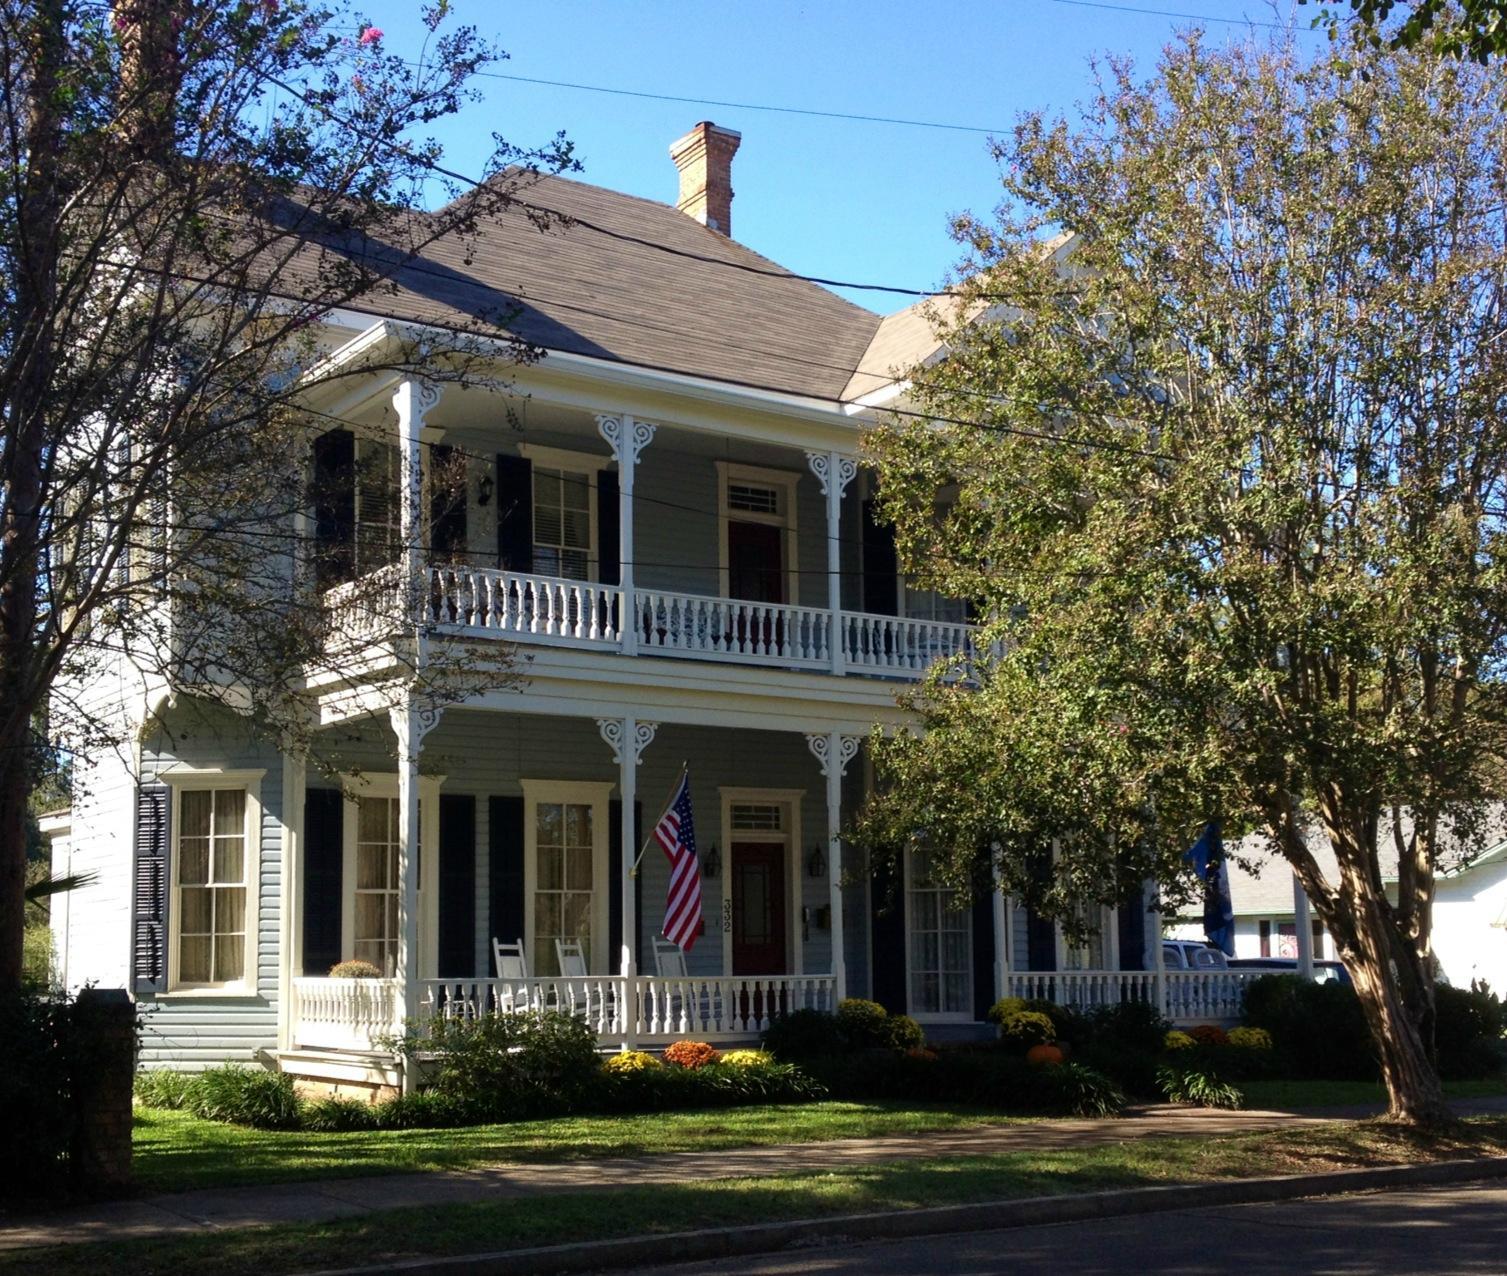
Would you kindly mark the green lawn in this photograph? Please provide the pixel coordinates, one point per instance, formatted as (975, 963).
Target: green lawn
(174, 1152)
(1283, 1095)
(593, 1215)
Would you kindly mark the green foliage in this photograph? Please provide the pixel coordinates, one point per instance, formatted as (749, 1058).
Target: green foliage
(1222, 544)
(35, 1094)
(901, 1032)
(1129, 1025)
(1027, 1028)
(338, 1116)
(631, 1061)
(245, 1096)
(863, 1023)
(1004, 1008)
(1184, 1082)
(164, 1088)
(711, 1085)
(432, 1110)
(1474, 29)
(510, 1066)
(1469, 1024)
(1318, 1029)
(804, 1034)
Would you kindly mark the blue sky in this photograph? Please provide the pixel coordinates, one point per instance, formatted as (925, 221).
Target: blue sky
(840, 199)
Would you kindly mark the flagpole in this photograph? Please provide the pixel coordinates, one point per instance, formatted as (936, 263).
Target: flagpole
(685, 768)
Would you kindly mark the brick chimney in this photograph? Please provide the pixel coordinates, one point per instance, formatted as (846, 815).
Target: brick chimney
(704, 157)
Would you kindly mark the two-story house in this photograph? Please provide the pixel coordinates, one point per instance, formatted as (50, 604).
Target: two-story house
(665, 520)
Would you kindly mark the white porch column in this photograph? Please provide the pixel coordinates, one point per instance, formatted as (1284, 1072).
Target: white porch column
(1304, 919)
(628, 738)
(413, 400)
(834, 751)
(627, 437)
(1001, 918)
(290, 946)
(1161, 958)
(411, 722)
(834, 472)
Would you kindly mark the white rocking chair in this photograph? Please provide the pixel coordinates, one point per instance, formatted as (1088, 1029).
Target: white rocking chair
(669, 963)
(576, 989)
(512, 972)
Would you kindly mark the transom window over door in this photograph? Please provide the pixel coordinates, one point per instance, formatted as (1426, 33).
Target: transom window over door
(564, 881)
(376, 917)
(940, 943)
(562, 522)
(212, 864)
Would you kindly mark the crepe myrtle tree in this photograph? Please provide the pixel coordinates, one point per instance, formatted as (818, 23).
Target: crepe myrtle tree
(186, 189)
(1475, 29)
(1224, 466)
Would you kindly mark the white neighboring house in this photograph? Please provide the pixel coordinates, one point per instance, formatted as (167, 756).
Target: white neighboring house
(668, 518)
(1470, 912)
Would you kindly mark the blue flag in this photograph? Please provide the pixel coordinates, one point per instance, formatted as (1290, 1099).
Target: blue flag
(1207, 858)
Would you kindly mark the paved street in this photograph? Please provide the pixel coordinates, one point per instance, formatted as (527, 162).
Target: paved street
(1461, 1231)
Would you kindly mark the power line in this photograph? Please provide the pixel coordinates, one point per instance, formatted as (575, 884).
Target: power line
(1173, 13)
(740, 106)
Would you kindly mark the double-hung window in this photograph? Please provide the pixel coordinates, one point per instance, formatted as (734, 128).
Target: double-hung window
(562, 522)
(940, 943)
(375, 935)
(565, 872)
(379, 527)
(214, 881)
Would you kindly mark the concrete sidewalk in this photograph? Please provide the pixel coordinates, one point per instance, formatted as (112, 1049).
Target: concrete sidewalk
(209, 1210)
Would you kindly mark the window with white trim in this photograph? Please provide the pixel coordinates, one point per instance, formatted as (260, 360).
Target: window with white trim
(564, 881)
(213, 879)
(375, 932)
(562, 522)
(940, 943)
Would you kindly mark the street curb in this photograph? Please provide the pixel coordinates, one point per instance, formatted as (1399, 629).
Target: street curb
(765, 1238)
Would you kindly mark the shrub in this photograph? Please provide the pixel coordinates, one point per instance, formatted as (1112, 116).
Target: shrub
(1468, 1028)
(338, 1116)
(245, 1096)
(904, 1033)
(1127, 1026)
(1177, 1039)
(35, 1093)
(1134, 1071)
(864, 1024)
(691, 1054)
(1005, 1008)
(1081, 1091)
(509, 1066)
(1190, 1083)
(1250, 1038)
(429, 1111)
(1068, 1026)
(747, 1058)
(1027, 1028)
(163, 1088)
(1317, 1030)
(804, 1034)
(356, 969)
(630, 1061)
(711, 1085)
(1208, 1034)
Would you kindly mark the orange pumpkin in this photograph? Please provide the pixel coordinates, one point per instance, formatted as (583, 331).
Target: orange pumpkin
(1045, 1053)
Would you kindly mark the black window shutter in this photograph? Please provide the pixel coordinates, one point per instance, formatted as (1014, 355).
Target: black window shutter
(447, 502)
(983, 952)
(505, 855)
(887, 933)
(515, 513)
(1041, 941)
(609, 547)
(457, 885)
(1132, 923)
(149, 905)
(323, 864)
(334, 500)
(881, 583)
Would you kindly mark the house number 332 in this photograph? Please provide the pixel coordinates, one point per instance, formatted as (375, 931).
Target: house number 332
(727, 916)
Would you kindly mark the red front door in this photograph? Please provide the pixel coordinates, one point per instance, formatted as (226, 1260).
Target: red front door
(758, 889)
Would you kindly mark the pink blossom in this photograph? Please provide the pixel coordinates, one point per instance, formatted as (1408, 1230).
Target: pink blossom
(370, 36)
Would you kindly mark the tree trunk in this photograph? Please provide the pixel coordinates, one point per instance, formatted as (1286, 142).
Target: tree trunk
(1414, 1093)
(14, 787)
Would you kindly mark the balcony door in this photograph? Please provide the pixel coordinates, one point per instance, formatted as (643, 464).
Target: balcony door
(756, 561)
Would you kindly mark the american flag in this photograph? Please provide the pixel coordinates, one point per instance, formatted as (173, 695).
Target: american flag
(677, 834)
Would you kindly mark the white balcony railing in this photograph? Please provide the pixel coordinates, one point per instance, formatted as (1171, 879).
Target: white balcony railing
(1191, 996)
(343, 1014)
(549, 609)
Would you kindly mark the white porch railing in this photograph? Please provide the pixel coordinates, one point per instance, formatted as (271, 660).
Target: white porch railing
(354, 1014)
(898, 644)
(343, 1014)
(676, 624)
(522, 606)
(552, 609)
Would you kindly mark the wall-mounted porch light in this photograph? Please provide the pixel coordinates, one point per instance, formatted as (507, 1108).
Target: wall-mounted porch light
(711, 862)
(484, 490)
(816, 862)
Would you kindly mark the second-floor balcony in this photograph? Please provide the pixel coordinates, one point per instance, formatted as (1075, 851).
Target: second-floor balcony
(523, 607)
